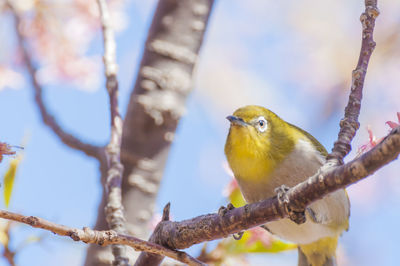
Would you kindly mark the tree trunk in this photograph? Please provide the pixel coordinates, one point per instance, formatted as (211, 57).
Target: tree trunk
(156, 104)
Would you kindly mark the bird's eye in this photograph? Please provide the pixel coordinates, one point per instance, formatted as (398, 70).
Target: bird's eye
(261, 124)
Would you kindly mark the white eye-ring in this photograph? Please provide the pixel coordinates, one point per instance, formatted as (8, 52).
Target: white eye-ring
(261, 124)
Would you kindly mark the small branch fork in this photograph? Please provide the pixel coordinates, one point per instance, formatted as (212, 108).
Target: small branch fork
(113, 209)
(103, 238)
(48, 119)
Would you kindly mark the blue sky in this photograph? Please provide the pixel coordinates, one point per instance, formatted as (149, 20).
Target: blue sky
(254, 53)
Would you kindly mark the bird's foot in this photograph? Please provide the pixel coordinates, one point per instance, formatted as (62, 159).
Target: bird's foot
(223, 210)
(296, 215)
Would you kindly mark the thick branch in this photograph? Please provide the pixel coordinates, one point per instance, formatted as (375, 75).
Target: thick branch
(349, 124)
(113, 209)
(163, 82)
(48, 119)
(102, 238)
(158, 101)
(180, 235)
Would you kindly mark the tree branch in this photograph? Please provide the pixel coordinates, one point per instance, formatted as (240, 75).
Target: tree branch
(102, 238)
(156, 104)
(157, 101)
(48, 119)
(349, 124)
(8, 253)
(113, 209)
(180, 235)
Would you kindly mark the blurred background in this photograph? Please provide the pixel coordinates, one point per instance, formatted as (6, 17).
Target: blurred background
(293, 57)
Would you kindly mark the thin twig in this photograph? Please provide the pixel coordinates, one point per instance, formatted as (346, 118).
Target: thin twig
(113, 209)
(48, 119)
(349, 124)
(8, 253)
(103, 238)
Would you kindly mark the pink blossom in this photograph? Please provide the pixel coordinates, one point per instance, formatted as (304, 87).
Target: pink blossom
(227, 169)
(58, 37)
(5, 149)
(230, 188)
(154, 221)
(392, 124)
(259, 234)
(370, 144)
(373, 140)
(233, 184)
(10, 78)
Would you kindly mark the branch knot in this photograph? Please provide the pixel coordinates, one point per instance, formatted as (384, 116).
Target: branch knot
(372, 11)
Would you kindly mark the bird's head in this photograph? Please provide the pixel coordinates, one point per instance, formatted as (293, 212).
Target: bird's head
(258, 139)
(256, 131)
(256, 123)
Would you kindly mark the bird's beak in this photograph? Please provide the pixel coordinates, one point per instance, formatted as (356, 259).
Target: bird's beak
(236, 120)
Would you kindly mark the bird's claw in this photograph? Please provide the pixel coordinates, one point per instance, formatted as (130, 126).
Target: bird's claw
(223, 210)
(296, 215)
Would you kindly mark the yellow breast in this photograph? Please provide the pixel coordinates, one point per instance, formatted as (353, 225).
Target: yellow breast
(246, 156)
(260, 165)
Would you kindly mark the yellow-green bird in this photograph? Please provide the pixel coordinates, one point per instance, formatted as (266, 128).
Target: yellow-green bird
(265, 152)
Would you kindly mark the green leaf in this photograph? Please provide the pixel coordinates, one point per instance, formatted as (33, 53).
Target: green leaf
(236, 198)
(9, 178)
(245, 246)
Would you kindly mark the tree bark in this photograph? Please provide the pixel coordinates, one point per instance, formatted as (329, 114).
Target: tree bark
(156, 104)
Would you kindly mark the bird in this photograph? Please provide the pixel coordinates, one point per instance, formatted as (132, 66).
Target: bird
(266, 152)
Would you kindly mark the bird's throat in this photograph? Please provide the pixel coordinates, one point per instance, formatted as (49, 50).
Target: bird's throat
(248, 157)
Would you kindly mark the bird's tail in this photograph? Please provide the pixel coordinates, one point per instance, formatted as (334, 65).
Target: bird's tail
(319, 253)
